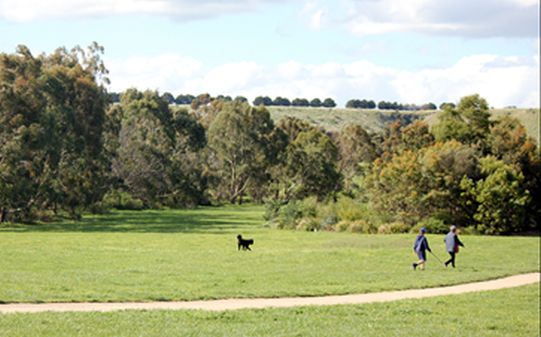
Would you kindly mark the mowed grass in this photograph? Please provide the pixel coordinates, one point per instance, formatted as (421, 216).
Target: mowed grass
(192, 254)
(509, 312)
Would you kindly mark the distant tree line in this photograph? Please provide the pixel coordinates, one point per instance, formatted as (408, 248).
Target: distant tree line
(259, 100)
(64, 150)
(383, 105)
(297, 102)
(187, 99)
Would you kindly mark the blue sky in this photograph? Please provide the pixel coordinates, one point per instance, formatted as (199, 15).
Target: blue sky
(413, 52)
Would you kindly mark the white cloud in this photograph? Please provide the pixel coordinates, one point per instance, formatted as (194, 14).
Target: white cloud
(480, 18)
(163, 72)
(29, 10)
(314, 13)
(502, 81)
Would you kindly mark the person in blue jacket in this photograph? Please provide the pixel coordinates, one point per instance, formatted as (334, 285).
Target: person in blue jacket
(451, 244)
(420, 247)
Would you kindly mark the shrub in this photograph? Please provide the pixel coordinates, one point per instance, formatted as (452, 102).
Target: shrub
(393, 228)
(432, 225)
(122, 200)
(310, 224)
(358, 226)
(349, 209)
(309, 206)
(362, 226)
(328, 222)
(289, 215)
(272, 209)
(342, 226)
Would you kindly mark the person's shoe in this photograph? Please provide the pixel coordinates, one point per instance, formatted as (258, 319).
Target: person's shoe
(414, 265)
(445, 264)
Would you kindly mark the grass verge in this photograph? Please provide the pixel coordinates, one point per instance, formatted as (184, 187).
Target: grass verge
(509, 312)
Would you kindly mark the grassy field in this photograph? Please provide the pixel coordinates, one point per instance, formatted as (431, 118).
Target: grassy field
(509, 312)
(334, 119)
(192, 254)
(377, 120)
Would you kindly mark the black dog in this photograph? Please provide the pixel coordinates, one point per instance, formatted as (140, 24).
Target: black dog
(244, 243)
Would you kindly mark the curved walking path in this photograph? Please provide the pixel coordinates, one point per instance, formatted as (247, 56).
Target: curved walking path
(284, 302)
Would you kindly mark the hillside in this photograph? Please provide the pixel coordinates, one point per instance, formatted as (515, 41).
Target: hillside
(376, 120)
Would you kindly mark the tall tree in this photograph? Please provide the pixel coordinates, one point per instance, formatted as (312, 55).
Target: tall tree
(328, 103)
(52, 112)
(469, 123)
(308, 162)
(155, 159)
(238, 149)
(500, 197)
(355, 148)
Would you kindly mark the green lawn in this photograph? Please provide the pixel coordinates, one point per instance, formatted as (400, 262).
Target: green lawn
(509, 312)
(192, 254)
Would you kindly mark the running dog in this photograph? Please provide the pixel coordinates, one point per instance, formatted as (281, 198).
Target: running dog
(244, 243)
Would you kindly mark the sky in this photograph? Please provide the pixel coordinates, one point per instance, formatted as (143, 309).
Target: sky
(414, 51)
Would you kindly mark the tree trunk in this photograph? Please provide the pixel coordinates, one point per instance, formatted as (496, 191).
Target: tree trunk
(3, 214)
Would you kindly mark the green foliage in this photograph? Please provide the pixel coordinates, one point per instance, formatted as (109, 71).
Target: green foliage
(393, 228)
(355, 148)
(52, 118)
(62, 149)
(344, 214)
(311, 165)
(356, 226)
(499, 197)
(155, 158)
(468, 123)
(316, 103)
(433, 225)
(349, 209)
(289, 215)
(328, 103)
(121, 200)
(201, 101)
(239, 146)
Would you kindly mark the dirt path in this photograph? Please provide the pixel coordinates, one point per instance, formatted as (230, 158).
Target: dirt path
(284, 302)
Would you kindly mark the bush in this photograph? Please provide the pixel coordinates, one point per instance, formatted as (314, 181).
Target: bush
(328, 222)
(393, 228)
(310, 224)
(342, 226)
(362, 226)
(358, 226)
(122, 200)
(349, 209)
(309, 206)
(432, 225)
(367, 227)
(272, 209)
(289, 215)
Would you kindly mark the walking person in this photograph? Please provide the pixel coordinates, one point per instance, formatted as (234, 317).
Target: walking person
(452, 242)
(420, 247)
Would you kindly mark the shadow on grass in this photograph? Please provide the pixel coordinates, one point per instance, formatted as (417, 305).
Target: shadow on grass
(204, 220)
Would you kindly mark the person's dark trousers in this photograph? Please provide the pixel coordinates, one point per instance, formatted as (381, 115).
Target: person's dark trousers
(451, 260)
